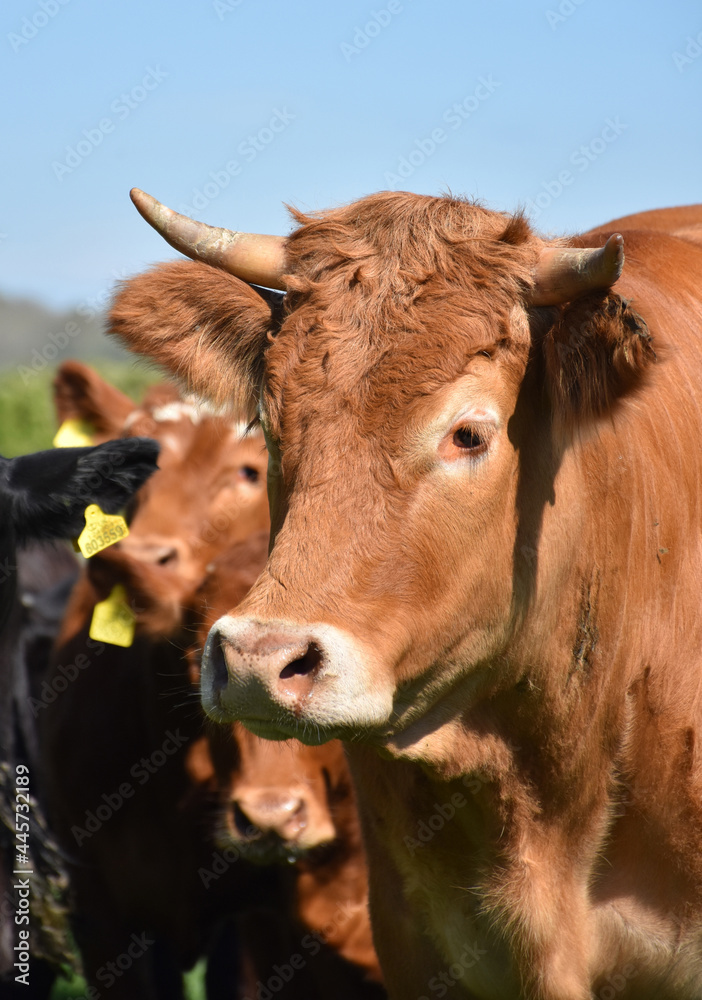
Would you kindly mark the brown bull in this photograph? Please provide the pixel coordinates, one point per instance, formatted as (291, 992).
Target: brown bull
(485, 483)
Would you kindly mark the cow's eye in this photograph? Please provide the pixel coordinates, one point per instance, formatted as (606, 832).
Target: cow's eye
(248, 473)
(469, 439)
(466, 440)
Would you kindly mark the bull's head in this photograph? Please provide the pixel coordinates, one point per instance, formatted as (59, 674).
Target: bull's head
(419, 389)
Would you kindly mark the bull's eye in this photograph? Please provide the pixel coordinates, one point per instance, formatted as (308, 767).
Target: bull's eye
(468, 439)
(248, 473)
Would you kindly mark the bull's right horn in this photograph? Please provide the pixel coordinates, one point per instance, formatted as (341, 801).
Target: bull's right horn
(252, 257)
(564, 273)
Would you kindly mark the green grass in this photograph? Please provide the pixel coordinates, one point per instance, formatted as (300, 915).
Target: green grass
(75, 987)
(27, 418)
(69, 989)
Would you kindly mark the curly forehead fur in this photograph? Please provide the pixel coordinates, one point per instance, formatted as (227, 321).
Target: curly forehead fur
(399, 279)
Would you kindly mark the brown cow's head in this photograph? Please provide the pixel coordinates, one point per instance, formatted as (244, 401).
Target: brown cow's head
(282, 800)
(433, 362)
(209, 492)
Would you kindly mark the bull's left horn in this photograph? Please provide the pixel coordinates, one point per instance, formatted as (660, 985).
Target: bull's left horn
(250, 256)
(565, 273)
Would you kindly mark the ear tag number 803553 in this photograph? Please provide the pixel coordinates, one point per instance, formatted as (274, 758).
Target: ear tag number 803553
(101, 530)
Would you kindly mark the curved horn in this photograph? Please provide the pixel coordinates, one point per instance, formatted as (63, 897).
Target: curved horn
(565, 273)
(249, 256)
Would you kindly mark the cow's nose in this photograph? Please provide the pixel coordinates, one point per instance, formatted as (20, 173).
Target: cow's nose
(289, 661)
(256, 815)
(152, 550)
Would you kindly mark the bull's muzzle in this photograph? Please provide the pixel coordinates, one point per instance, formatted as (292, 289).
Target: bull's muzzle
(285, 679)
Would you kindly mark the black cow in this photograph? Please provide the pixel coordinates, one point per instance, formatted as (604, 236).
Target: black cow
(43, 496)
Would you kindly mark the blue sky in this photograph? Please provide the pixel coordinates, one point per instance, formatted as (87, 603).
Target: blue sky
(581, 111)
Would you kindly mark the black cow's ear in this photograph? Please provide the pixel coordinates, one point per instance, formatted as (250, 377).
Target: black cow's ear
(47, 492)
(598, 351)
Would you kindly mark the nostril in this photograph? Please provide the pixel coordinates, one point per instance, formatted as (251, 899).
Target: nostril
(243, 825)
(303, 665)
(166, 556)
(297, 678)
(218, 665)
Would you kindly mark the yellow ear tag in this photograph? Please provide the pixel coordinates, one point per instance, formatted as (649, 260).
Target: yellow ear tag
(101, 530)
(73, 434)
(113, 620)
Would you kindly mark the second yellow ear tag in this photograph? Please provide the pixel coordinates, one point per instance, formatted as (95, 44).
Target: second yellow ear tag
(73, 434)
(101, 530)
(113, 620)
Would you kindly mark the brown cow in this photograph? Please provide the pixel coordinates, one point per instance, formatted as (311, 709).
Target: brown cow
(209, 493)
(485, 487)
(130, 787)
(152, 870)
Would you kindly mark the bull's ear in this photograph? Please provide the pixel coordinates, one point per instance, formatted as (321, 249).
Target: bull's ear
(597, 351)
(202, 325)
(81, 394)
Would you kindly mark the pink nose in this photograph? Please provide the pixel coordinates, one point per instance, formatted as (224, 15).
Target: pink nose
(153, 550)
(270, 812)
(287, 661)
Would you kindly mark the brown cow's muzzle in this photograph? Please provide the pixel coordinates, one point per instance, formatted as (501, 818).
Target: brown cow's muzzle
(283, 679)
(275, 824)
(158, 573)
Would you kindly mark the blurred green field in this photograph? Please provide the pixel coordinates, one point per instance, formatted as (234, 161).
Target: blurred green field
(27, 420)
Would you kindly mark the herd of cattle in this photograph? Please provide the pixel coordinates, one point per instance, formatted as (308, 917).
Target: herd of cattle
(478, 466)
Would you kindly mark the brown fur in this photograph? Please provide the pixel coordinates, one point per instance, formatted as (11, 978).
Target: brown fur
(219, 309)
(684, 221)
(80, 394)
